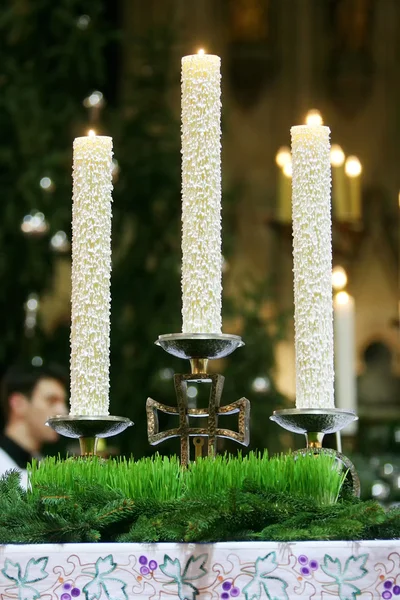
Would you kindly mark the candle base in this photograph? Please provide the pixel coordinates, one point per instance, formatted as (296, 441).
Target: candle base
(317, 420)
(314, 423)
(199, 348)
(88, 429)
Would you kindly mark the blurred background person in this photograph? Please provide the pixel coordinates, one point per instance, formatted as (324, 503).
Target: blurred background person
(29, 396)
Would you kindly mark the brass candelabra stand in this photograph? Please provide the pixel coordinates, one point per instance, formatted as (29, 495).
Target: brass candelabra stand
(314, 423)
(198, 348)
(88, 429)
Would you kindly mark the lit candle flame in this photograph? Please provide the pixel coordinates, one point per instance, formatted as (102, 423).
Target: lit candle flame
(201, 52)
(353, 167)
(339, 278)
(91, 133)
(337, 156)
(342, 298)
(314, 117)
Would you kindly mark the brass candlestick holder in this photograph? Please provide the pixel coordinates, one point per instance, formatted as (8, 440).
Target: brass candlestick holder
(199, 348)
(315, 423)
(88, 429)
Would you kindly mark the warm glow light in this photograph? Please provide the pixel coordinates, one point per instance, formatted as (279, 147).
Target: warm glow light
(201, 52)
(287, 169)
(337, 156)
(283, 156)
(91, 133)
(314, 117)
(339, 278)
(342, 298)
(353, 166)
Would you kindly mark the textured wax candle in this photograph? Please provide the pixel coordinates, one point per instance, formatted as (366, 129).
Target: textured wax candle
(201, 194)
(312, 259)
(91, 267)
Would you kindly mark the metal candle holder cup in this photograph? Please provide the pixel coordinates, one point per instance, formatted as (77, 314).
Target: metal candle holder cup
(88, 429)
(315, 423)
(198, 348)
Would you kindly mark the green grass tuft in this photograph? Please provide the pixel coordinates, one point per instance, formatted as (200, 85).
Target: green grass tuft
(162, 479)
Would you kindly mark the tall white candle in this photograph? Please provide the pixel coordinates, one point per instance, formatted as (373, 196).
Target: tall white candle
(353, 170)
(339, 190)
(312, 258)
(285, 193)
(345, 355)
(283, 160)
(91, 269)
(201, 194)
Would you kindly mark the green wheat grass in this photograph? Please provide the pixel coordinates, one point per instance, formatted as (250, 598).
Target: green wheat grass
(162, 479)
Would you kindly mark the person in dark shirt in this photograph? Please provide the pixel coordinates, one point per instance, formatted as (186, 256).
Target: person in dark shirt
(29, 396)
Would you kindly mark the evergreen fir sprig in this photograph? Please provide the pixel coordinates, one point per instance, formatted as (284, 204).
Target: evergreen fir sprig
(96, 512)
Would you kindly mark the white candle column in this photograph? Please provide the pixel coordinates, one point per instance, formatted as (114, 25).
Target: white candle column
(312, 258)
(91, 269)
(283, 160)
(345, 355)
(340, 196)
(353, 171)
(201, 194)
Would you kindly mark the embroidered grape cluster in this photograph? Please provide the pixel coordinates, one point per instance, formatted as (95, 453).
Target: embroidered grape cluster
(147, 566)
(230, 591)
(307, 566)
(390, 590)
(70, 592)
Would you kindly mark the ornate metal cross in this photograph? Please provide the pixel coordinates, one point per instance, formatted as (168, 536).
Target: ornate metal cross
(214, 410)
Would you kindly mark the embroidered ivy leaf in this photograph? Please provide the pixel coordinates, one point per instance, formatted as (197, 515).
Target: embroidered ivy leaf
(354, 568)
(27, 592)
(104, 566)
(35, 570)
(347, 591)
(274, 587)
(266, 565)
(195, 568)
(187, 591)
(12, 570)
(113, 587)
(332, 568)
(171, 568)
(92, 590)
(253, 590)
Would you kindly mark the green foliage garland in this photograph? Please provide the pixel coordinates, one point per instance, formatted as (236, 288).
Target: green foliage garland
(155, 500)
